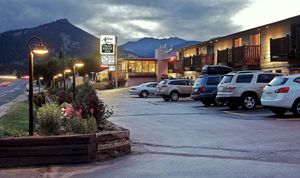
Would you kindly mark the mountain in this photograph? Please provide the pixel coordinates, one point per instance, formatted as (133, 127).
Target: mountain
(145, 47)
(76, 42)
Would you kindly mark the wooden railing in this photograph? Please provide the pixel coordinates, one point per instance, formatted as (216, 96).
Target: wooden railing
(246, 55)
(207, 59)
(175, 66)
(279, 48)
(224, 57)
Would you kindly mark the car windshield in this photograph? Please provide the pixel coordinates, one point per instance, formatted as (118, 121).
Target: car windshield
(277, 81)
(163, 82)
(199, 81)
(227, 79)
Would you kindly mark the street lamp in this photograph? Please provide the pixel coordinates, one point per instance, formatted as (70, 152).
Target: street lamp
(79, 64)
(38, 50)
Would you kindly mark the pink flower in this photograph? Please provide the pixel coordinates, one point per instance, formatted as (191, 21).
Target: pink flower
(92, 110)
(78, 112)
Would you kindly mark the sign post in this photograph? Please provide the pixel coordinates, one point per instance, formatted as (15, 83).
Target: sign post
(108, 52)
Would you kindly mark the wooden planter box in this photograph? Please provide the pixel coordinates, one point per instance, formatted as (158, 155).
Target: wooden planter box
(69, 149)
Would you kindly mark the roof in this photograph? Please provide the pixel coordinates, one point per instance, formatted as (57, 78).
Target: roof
(244, 31)
(138, 59)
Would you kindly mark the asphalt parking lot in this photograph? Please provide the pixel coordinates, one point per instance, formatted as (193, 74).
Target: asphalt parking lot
(186, 139)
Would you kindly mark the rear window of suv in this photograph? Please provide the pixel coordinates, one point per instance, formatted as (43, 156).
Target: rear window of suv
(227, 79)
(278, 81)
(199, 81)
(212, 81)
(266, 78)
(244, 78)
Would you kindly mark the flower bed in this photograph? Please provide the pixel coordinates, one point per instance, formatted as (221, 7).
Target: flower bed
(68, 149)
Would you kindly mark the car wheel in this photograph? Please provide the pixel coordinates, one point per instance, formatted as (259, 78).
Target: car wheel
(166, 98)
(144, 94)
(279, 111)
(232, 106)
(206, 103)
(296, 108)
(174, 96)
(249, 102)
(217, 103)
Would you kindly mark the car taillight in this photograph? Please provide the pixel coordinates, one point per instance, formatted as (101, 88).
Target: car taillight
(201, 89)
(282, 90)
(231, 87)
(133, 88)
(163, 86)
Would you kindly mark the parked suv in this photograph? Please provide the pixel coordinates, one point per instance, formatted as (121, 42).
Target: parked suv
(243, 88)
(283, 94)
(172, 89)
(205, 89)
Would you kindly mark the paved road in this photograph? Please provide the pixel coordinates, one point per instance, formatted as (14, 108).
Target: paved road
(10, 92)
(185, 139)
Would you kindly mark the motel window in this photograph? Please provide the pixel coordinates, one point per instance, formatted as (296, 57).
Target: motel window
(151, 66)
(254, 39)
(131, 66)
(145, 66)
(237, 42)
(138, 66)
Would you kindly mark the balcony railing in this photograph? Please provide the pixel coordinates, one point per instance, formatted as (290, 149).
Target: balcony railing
(239, 56)
(280, 48)
(224, 57)
(207, 59)
(246, 55)
(175, 66)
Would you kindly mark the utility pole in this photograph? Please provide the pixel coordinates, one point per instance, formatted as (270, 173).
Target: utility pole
(116, 63)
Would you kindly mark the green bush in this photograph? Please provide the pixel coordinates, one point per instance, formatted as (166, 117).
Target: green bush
(89, 105)
(80, 125)
(49, 120)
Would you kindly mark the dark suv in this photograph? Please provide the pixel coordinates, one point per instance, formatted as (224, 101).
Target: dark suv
(205, 89)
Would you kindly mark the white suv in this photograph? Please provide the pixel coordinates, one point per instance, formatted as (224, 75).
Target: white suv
(283, 94)
(243, 88)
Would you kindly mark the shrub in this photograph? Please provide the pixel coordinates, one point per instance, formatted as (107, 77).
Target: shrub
(89, 105)
(63, 97)
(39, 99)
(80, 125)
(49, 119)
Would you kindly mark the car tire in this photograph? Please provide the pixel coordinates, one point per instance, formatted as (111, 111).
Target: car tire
(207, 104)
(232, 106)
(249, 102)
(144, 94)
(296, 108)
(166, 98)
(279, 111)
(174, 96)
(216, 102)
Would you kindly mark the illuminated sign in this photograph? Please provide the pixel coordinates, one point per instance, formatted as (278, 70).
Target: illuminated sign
(107, 44)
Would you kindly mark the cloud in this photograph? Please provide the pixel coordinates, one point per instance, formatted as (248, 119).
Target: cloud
(129, 19)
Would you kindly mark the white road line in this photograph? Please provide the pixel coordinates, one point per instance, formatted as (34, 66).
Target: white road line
(239, 114)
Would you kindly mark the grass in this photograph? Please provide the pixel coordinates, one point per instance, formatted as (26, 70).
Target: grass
(15, 122)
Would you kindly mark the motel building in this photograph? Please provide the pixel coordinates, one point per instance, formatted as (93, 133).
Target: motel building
(273, 47)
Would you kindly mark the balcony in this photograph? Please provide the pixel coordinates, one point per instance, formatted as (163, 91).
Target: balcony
(247, 55)
(280, 49)
(175, 66)
(207, 59)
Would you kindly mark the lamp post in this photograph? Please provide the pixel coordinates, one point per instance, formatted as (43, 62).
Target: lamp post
(74, 71)
(38, 50)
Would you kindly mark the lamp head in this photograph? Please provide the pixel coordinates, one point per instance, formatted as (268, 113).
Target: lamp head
(59, 75)
(40, 50)
(79, 64)
(67, 71)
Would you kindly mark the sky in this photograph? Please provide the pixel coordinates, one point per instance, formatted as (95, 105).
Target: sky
(131, 20)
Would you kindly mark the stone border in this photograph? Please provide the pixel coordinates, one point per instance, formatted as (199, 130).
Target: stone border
(69, 149)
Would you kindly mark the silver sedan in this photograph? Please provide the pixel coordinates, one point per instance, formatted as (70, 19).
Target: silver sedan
(144, 90)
